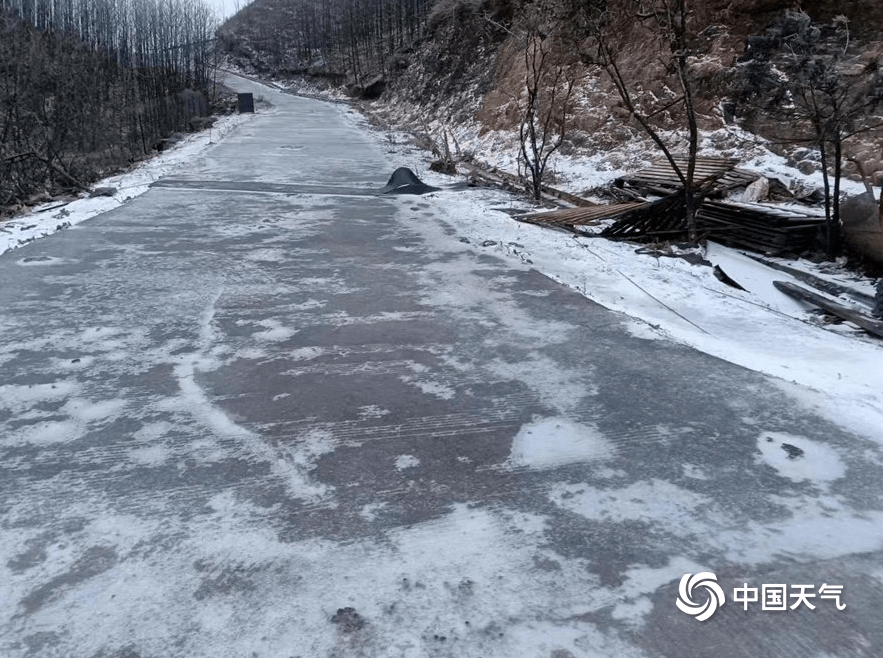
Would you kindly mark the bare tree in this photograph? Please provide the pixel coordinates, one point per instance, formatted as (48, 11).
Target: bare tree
(814, 78)
(86, 85)
(669, 22)
(548, 86)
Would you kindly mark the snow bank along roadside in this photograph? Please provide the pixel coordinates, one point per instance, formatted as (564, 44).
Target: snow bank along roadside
(50, 217)
(668, 298)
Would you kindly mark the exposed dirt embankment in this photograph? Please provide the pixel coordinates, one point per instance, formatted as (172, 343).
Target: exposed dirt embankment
(467, 66)
(470, 67)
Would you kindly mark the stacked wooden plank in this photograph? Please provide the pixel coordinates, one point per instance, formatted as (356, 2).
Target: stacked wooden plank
(661, 179)
(663, 219)
(758, 227)
(571, 217)
(762, 228)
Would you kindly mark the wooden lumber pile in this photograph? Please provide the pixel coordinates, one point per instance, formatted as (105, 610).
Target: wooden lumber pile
(568, 218)
(664, 219)
(863, 320)
(758, 227)
(764, 228)
(830, 287)
(660, 178)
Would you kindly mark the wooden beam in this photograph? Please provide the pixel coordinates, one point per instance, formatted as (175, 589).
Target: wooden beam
(866, 322)
(821, 284)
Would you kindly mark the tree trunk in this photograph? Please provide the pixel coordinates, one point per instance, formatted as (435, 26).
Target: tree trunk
(823, 153)
(834, 222)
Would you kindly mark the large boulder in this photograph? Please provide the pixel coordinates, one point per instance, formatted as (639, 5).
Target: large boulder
(862, 218)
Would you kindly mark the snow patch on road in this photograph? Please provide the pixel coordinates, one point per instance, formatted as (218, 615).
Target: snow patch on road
(861, 414)
(274, 331)
(406, 461)
(371, 511)
(153, 431)
(556, 385)
(79, 413)
(305, 353)
(815, 531)
(458, 581)
(18, 398)
(46, 433)
(270, 255)
(302, 454)
(556, 441)
(88, 412)
(429, 387)
(798, 458)
(653, 501)
(372, 411)
(640, 580)
(152, 455)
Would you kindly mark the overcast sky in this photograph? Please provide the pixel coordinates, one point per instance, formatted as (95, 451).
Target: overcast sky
(227, 8)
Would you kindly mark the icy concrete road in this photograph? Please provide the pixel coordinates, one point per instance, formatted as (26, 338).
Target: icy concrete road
(240, 420)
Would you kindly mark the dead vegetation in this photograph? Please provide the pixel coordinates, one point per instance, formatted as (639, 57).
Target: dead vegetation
(88, 87)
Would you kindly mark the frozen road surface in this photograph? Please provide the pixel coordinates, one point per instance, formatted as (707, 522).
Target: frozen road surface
(254, 414)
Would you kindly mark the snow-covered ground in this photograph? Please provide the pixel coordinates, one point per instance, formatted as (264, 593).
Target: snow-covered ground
(53, 216)
(760, 328)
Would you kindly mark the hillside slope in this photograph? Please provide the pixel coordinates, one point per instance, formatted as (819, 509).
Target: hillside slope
(756, 71)
(467, 60)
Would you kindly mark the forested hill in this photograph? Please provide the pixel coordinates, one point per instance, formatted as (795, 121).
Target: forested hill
(89, 86)
(464, 59)
(339, 39)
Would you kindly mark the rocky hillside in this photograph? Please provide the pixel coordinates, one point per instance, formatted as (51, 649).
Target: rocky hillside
(467, 64)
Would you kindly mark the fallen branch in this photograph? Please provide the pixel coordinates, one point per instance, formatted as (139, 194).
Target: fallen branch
(513, 182)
